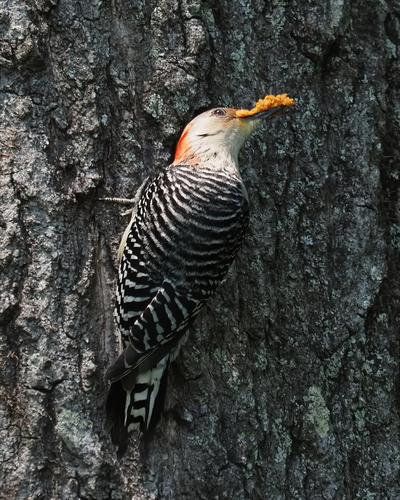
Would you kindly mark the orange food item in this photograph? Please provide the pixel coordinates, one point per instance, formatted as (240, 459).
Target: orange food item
(269, 101)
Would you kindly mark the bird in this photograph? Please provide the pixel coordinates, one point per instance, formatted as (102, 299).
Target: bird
(187, 224)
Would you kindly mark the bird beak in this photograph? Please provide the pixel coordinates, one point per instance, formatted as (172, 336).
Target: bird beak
(265, 114)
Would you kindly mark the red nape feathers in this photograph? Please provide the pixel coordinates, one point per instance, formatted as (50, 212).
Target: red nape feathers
(183, 147)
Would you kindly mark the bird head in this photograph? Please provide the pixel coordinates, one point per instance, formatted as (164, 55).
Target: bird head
(224, 130)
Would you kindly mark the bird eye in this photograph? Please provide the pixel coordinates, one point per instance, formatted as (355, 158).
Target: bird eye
(219, 112)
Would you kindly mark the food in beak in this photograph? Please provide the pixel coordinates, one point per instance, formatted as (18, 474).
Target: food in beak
(265, 107)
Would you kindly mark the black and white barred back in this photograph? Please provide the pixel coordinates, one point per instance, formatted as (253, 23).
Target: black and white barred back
(185, 231)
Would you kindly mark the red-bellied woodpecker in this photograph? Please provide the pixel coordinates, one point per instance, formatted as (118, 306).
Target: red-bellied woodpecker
(186, 228)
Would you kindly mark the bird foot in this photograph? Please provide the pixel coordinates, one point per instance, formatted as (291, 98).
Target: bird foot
(121, 201)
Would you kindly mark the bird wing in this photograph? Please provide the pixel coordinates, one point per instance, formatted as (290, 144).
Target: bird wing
(151, 312)
(184, 234)
(156, 331)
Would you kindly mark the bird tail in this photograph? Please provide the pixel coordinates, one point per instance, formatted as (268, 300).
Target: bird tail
(136, 402)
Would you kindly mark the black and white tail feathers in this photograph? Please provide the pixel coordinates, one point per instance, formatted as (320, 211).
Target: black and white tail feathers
(136, 402)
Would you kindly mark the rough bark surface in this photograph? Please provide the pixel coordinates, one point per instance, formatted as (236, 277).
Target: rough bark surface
(289, 384)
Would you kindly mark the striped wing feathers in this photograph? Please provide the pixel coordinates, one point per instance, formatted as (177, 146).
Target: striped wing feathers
(184, 234)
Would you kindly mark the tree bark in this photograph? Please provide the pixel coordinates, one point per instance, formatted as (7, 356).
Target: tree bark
(289, 384)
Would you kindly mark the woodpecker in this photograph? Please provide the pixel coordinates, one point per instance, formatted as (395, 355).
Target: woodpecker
(186, 228)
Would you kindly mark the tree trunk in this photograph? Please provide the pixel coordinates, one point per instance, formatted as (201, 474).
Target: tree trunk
(289, 384)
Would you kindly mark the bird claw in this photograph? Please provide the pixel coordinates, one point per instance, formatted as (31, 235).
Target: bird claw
(126, 212)
(119, 201)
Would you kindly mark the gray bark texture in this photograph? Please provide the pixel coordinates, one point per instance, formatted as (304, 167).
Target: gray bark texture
(289, 384)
